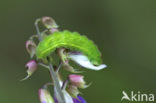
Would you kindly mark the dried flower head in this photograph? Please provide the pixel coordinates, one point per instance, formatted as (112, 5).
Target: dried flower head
(49, 23)
(31, 47)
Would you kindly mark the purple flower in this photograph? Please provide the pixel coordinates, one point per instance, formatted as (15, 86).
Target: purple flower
(79, 99)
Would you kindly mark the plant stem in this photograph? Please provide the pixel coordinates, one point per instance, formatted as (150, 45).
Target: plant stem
(37, 29)
(47, 84)
(65, 84)
(54, 77)
(59, 66)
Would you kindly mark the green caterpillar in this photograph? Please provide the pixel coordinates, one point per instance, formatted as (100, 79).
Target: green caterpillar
(72, 41)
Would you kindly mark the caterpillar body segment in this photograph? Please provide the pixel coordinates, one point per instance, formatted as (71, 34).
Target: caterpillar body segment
(72, 41)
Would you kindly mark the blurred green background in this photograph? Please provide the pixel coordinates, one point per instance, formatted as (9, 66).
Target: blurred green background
(124, 30)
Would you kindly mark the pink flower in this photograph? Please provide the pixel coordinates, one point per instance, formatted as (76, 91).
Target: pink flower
(31, 68)
(44, 96)
(77, 80)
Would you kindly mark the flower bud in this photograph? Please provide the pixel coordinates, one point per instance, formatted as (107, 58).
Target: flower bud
(31, 47)
(44, 96)
(69, 68)
(31, 68)
(49, 23)
(73, 90)
(77, 80)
